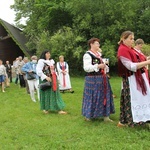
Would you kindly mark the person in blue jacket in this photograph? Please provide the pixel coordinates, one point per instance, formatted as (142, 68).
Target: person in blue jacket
(32, 78)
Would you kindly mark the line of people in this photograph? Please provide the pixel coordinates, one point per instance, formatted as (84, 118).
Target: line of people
(97, 95)
(50, 99)
(29, 68)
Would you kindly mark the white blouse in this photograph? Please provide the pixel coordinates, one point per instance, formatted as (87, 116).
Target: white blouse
(128, 64)
(40, 65)
(87, 64)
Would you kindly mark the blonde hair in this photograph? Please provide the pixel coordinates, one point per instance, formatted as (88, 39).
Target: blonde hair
(139, 41)
(61, 56)
(124, 36)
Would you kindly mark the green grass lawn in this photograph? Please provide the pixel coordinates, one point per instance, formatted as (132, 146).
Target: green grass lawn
(23, 126)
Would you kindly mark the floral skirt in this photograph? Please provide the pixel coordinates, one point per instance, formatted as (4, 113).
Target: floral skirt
(51, 100)
(96, 89)
(125, 106)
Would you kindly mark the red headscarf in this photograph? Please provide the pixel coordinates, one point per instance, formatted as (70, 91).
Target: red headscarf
(130, 54)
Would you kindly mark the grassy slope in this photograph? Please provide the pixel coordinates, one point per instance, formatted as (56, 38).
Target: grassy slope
(24, 127)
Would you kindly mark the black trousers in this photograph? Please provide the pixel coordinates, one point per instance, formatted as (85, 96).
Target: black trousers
(22, 81)
(10, 76)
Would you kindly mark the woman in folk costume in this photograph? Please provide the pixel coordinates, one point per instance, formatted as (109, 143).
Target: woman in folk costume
(50, 99)
(135, 93)
(63, 73)
(138, 47)
(97, 95)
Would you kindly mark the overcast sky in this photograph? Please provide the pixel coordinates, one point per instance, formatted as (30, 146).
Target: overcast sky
(6, 13)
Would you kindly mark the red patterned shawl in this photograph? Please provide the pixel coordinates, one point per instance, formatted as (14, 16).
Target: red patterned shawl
(129, 53)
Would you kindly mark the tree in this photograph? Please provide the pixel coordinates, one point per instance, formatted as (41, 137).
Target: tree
(64, 42)
(64, 26)
(42, 15)
(142, 26)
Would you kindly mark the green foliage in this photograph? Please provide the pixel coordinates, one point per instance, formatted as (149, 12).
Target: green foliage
(146, 49)
(66, 42)
(48, 21)
(109, 52)
(43, 42)
(142, 27)
(25, 127)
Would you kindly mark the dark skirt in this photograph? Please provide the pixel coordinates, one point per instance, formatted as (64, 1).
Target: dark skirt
(96, 89)
(51, 100)
(125, 106)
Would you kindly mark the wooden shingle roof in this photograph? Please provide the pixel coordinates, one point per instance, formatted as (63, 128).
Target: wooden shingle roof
(17, 35)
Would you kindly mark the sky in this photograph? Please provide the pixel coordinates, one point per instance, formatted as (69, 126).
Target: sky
(6, 13)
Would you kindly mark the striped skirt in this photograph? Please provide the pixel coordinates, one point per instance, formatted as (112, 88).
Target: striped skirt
(97, 89)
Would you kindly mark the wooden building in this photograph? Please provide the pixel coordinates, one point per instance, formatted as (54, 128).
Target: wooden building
(12, 42)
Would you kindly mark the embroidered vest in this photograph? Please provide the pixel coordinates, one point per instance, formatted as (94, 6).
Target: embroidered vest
(65, 65)
(46, 70)
(95, 60)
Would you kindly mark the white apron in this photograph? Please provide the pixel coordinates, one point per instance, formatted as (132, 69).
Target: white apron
(140, 104)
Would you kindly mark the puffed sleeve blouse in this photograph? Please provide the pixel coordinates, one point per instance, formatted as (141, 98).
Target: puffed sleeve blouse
(40, 65)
